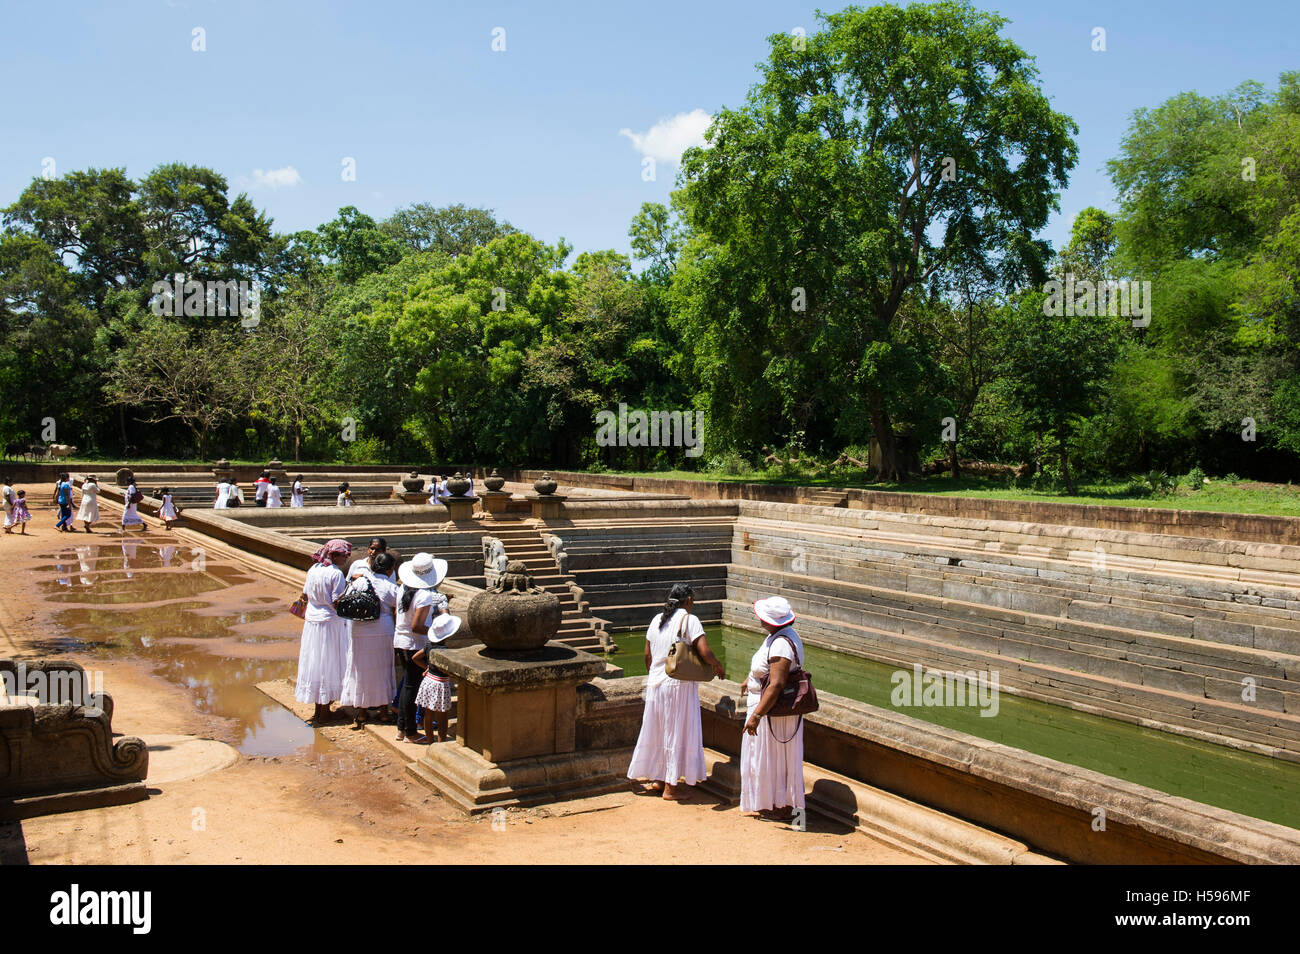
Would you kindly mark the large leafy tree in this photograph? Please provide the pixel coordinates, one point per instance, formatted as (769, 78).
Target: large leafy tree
(453, 229)
(892, 145)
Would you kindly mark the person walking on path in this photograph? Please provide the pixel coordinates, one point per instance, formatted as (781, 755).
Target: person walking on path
(88, 512)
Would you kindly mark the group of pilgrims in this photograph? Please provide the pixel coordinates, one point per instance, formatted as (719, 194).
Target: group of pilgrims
(17, 513)
(383, 671)
(267, 492)
(379, 668)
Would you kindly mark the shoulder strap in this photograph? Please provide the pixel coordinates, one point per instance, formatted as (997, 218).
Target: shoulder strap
(782, 635)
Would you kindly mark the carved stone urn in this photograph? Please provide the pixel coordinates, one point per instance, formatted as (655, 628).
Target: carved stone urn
(494, 481)
(458, 486)
(514, 616)
(414, 483)
(124, 476)
(545, 485)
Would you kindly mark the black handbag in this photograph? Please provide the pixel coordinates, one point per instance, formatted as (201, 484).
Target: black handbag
(360, 605)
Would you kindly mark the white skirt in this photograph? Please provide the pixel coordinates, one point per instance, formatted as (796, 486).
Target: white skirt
(434, 693)
(167, 511)
(368, 681)
(131, 517)
(671, 743)
(89, 510)
(771, 771)
(322, 661)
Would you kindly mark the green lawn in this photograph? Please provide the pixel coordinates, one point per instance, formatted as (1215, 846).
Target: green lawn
(1218, 495)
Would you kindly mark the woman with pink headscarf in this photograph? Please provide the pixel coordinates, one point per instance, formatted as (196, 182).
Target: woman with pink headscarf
(323, 658)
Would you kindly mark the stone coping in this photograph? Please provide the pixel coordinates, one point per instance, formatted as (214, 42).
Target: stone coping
(1230, 836)
(556, 663)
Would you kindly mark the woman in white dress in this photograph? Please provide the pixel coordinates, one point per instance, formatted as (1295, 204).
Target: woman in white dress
(368, 682)
(7, 491)
(771, 747)
(323, 657)
(130, 515)
(298, 493)
(223, 495)
(671, 744)
(273, 498)
(88, 512)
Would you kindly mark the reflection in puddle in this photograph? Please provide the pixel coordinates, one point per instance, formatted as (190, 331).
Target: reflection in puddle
(162, 636)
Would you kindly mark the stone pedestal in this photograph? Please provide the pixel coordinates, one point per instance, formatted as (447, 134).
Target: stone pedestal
(495, 502)
(460, 508)
(418, 497)
(276, 469)
(516, 730)
(546, 506)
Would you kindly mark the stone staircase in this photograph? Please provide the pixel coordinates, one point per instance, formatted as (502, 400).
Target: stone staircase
(824, 498)
(578, 628)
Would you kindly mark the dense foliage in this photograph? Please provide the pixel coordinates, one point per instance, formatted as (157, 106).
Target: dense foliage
(849, 267)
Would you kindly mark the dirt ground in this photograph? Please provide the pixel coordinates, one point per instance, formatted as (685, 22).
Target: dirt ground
(326, 797)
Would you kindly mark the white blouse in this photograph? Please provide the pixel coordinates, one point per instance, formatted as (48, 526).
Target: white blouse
(776, 646)
(662, 640)
(325, 584)
(403, 638)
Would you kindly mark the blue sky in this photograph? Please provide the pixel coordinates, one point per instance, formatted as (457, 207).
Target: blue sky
(414, 92)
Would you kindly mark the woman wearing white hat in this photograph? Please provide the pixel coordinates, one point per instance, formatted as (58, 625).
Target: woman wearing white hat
(771, 747)
(670, 746)
(418, 575)
(435, 688)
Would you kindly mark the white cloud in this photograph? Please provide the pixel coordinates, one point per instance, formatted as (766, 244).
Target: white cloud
(667, 139)
(275, 178)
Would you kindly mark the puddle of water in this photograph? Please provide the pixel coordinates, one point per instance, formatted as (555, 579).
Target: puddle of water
(1255, 785)
(134, 588)
(220, 685)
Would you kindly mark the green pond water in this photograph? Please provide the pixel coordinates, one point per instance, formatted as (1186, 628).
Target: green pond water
(1251, 784)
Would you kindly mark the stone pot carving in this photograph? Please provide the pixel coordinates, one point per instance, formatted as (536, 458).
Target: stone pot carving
(514, 615)
(494, 481)
(458, 486)
(414, 483)
(275, 465)
(124, 476)
(545, 485)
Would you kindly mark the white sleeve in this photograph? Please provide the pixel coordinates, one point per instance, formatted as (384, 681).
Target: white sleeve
(693, 629)
(781, 648)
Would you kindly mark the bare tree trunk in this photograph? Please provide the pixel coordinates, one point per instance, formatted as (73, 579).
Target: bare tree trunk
(888, 468)
(954, 468)
(1065, 463)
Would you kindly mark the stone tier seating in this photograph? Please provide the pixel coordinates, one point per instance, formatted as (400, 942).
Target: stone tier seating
(1156, 630)
(626, 567)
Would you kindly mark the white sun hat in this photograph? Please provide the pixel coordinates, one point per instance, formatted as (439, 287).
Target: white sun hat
(774, 610)
(444, 625)
(422, 571)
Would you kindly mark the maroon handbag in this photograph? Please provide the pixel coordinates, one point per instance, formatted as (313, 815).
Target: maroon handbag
(798, 697)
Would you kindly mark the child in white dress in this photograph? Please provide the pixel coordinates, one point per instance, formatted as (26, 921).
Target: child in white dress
(273, 498)
(168, 511)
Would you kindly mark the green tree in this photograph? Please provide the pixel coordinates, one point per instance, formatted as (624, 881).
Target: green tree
(898, 143)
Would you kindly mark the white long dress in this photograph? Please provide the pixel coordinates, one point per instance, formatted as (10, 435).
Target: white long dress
(273, 498)
(671, 743)
(368, 680)
(223, 496)
(323, 658)
(771, 768)
(168, 509)
(88, 512)
(9, 498)
(296, 494)
(131, 516)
